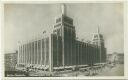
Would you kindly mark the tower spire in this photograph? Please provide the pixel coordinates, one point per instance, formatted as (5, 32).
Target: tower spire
(98, 30)
(63, 9)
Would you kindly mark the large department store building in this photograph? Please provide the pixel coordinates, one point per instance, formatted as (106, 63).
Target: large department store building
(61, 49)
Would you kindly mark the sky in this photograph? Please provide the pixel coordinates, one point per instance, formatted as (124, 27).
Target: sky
(24, 22)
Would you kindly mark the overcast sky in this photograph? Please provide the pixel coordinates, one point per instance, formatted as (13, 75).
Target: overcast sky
(24, 22)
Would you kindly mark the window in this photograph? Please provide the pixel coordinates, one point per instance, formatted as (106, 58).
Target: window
(57, 25)
(58, 20)
(95, 36)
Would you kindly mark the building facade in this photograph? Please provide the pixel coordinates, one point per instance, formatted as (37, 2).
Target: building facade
(115, 58)
(10, 61)
(61, 49)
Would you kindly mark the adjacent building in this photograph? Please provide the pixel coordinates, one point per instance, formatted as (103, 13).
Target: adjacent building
(115, 58)
(10, 60)
(61, 49)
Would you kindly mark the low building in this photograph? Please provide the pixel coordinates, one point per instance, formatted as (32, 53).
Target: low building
(121, 58)
(115, 58)
(10, 61)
